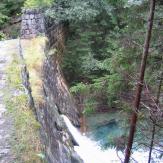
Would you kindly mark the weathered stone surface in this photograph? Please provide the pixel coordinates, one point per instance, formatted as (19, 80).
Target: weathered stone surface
(26, 17)
(57, 101)
(59, 144)
(27, 32)
(31, 16)
(56, 97)
(33, 21)
(7, 48)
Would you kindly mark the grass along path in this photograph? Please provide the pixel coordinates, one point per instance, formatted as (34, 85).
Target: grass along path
(6, 120)
(19, 131)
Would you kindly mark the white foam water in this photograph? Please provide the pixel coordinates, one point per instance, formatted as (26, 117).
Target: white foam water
(91, 152)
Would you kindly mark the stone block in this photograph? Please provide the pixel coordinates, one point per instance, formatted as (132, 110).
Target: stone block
(39, 16)
(25, 27)
(31, 16)
(42, 27)
(23, 17)
(33, 21)
(24, 21)
(26, 17)
(29, 22)
(27, 32)
(36, 16)
(37, 20)
(23, 24)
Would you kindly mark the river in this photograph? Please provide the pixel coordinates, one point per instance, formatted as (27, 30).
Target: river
(94, 145)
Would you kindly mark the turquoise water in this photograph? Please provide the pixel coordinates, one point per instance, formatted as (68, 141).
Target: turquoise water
(105, 136)
(104, 129)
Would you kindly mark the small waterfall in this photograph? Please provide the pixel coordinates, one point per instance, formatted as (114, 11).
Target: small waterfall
(91, 152)
(88, 150)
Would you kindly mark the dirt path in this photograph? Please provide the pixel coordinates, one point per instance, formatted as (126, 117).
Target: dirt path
(7, 48)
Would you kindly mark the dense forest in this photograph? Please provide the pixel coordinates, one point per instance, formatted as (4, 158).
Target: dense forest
(102, 61)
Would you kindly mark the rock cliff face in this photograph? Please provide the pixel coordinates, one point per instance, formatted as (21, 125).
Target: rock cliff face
(56, 100)
(54, 83)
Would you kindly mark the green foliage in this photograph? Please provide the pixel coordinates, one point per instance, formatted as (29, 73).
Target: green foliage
(89, 58)
(38, 3)
(9, 8)
(89, 109)
(83, 90)
(3, 18)
(2, 36)
(104, 53)
(79, 88)
(76, 10)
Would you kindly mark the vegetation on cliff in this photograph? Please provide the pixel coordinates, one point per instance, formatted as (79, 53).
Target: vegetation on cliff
(104, 47)
(102, 57)
(103, 53)
(9, 18)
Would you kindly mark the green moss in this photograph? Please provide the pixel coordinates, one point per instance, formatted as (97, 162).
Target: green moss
(26, 142)
(13, 72)
(2, 36)
(37, 3)
(34, 56)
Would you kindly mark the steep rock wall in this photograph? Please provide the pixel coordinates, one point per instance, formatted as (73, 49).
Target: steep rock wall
(54, 82)
(59, 146)
(56, 100)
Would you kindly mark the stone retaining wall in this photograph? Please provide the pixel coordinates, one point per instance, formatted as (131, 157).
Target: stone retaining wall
(32, 23)
(56, 99)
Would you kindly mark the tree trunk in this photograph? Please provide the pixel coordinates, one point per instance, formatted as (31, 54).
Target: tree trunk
(154, 121)
(152, 142)
(140, 82)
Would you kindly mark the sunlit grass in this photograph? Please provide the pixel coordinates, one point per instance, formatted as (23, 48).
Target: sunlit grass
(34, 55)
(37, 3)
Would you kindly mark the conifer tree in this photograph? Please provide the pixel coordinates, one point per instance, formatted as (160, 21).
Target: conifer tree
(140, 82)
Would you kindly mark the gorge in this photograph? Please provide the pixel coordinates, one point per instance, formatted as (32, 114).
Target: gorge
(73, 86)
(58, 139)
